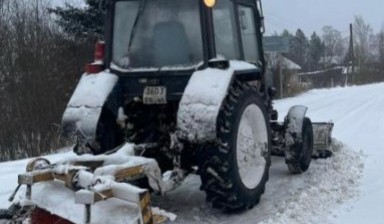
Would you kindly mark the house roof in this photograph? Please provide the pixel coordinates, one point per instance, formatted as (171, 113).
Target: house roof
(290, 64)
(287, 63)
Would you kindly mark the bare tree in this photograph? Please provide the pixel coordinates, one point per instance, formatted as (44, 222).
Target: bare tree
(363, 34)
(334, 49)
(380, 38)
(39, 68)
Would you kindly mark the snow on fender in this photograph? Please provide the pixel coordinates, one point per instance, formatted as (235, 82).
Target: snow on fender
(84, 107)
(201, 102)
(202, 99)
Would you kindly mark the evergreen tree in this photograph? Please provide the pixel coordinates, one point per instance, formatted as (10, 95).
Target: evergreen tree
(299, 49)
(82, 22)
(290, 37)
(315, 51)
(287, 34)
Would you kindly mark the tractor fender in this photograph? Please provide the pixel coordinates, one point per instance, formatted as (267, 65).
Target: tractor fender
(85, 106)
(202, 100)
(293, 124)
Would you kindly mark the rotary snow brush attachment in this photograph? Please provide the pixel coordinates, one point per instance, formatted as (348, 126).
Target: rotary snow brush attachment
(322, 139)
(90, 189)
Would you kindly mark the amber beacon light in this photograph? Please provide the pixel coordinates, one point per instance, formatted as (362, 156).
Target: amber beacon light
(210, 3)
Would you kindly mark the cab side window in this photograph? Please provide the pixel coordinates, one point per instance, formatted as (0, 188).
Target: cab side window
(226, 36)
(248, 33)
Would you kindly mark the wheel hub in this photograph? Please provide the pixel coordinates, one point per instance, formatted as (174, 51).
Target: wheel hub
(252, 145)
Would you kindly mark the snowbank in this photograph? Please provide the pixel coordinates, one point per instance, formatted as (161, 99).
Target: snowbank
(328, 183)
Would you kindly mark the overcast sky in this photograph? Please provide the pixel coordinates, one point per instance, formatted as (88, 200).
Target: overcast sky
(312, 15)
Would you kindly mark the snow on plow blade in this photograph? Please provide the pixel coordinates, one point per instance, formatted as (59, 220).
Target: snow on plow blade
(322, 139)
(56, 203)
(89, 189)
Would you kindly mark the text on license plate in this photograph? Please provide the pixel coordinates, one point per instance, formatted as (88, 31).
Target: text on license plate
(155, 95)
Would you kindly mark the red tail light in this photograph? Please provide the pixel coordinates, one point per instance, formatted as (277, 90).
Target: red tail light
(94, 68)
(98, 65)
(99, 50)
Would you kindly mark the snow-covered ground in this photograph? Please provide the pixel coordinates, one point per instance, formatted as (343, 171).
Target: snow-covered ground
(347, 188)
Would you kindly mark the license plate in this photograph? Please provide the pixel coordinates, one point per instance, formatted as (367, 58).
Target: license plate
(155, 95)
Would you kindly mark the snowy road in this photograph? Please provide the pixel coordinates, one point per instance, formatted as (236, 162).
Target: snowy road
(359, 122)
(347, 188)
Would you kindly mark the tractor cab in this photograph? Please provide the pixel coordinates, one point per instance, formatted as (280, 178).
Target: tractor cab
(168, 35)
(154, 49)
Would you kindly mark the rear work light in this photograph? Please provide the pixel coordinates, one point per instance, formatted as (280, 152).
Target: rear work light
(99, 51)
(98, 64)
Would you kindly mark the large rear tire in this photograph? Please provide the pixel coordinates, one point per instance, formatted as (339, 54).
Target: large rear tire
(235, 170)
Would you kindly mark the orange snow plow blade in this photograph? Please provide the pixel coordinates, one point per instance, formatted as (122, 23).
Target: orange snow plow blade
(39, 215)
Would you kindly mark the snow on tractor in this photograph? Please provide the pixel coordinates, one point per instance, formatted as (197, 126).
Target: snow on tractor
(177, 88)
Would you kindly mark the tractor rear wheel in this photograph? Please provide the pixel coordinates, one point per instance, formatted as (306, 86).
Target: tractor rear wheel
(235, 170)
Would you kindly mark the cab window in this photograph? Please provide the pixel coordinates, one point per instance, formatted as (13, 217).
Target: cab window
(225, 28)
(248, 33)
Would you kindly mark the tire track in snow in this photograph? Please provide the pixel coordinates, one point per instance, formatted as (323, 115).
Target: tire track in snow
(327, 184)
(306, 198)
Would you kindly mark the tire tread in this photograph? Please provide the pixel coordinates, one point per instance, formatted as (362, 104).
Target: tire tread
(221, 192)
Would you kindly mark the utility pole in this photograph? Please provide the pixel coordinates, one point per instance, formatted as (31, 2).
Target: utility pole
(352, 55)
(280, 61)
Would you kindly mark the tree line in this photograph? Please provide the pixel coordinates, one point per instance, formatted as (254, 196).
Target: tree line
(39, 67)
(331, 47)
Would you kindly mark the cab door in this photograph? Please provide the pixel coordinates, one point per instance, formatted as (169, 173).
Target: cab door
(237, 34)
(248, 33)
